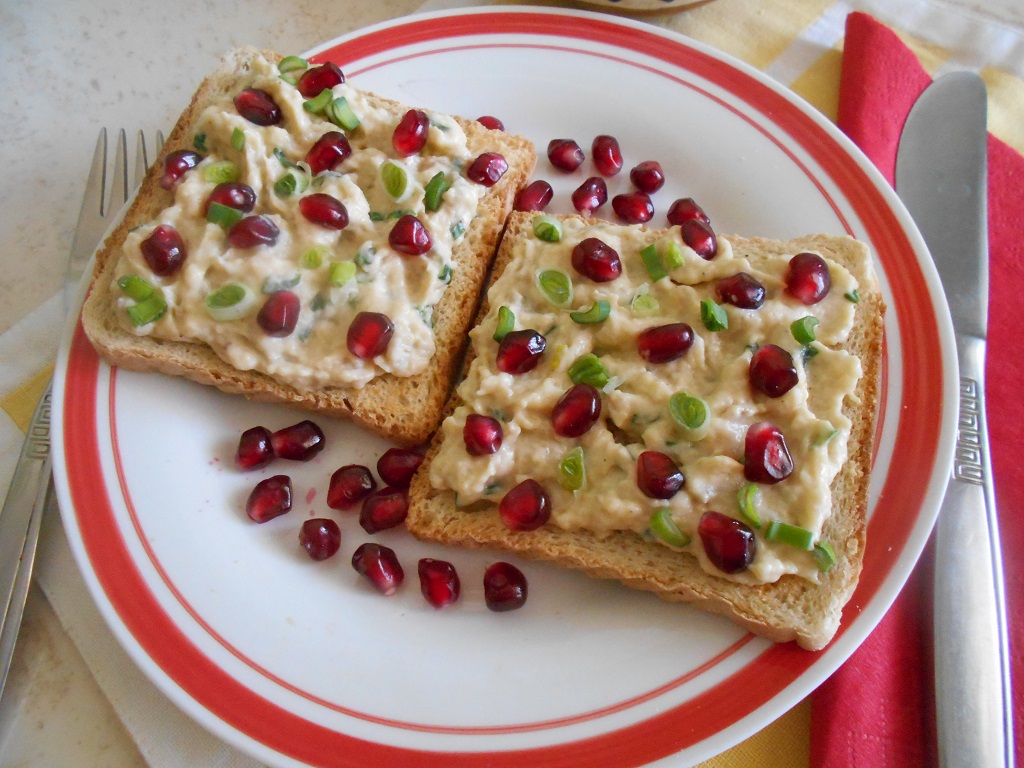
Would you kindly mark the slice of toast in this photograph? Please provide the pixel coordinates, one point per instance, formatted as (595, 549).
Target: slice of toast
(401, 405)
(804, 605)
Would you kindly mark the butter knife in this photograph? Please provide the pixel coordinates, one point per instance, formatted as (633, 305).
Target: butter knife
(941, 176)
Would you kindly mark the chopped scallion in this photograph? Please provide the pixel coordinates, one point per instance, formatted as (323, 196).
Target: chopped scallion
(279, 283)
(853, 296)
(221, 171)
(547, 228)
(691, 413)
(824, 556)
(458, 230)
(319, 103)
(588, 369)
(803, 329)
(231, 302)
(746, 500)
(556, 286)
(793, 535)
(135, 287)
(224, 215)
(652, 262)
(340, 272)
(665, 529)
(292, 64)
(294, 181)
(644, 304)
(238, 139)
(506, 323)
(572, 470)
(445, 275)
(673, 256)
(199, 142)
(433, 193)
(340, 113)
(713, 316)
(395, 180)
(147, 311)
(597, 313)
(312, 258)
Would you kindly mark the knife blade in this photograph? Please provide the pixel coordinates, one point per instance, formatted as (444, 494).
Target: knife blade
(941, 177)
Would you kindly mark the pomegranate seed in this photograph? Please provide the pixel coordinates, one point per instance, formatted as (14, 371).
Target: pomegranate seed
(633, 207)
(409, 236)
(349, 485)
(489, 121)
(299, 442)
(766, 457)
(254, 448)
(664, 343)
(329, 150)
(729, 543)
(487, 169)
(410, 134)
(700, 237)
(384, 509)
(253, 231)
(686, 209)
(320, 537)
(597, 260)
(270, 498)
(534, 197)
(525, 507)
(565, 154)
(369, 335)
(576, 411)
(316, 79)
(607, 155)
(396, 466)
(808, 279)
(324, 210)
(772, 371)
(257, 106)
(380, 566)
(505, 587)
(439, 582)
(741, 290)
(657, 475)
(648, 176)
(176, 164)
(590, 195)
(164, 250)
(279, 314)
(520, 351)
(482, 435)
(233, 194)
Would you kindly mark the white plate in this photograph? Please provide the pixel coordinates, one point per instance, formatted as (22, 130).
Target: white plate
(300, 662)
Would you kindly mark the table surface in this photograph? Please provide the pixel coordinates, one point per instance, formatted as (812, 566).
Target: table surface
(72, 67)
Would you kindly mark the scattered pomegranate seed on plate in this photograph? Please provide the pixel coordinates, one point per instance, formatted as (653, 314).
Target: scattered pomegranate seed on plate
(633, 207)
(349, 485)
(686, 209)
(534, 197)
(439, 582)
(396, 466)
(380, 566)
(298, 442)
(648, 176)
(590, 195)
(254, 448)
(505, 587)
(565, 154)
(606, 155)
(383, 509)
(320, 537)
(270, 498)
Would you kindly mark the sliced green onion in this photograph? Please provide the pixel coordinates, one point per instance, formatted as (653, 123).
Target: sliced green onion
(364, 256)
(588, 369)
(395, 180)
(199, 142)
(283, 158)
(713, 316)
(147, 311)
(319, 301)
(340, 113)
(803, 329)
(691, 413)
(135, 287)
(793, 535)
(652, 262)
(445, 275)
(572, 470)
(458, 230)
(644, 304)
(292, 64)
(853, 296)
(293, 182)
(673, 256)
(433, 193)
(221, 171)
(312, 258)
(746, 500)
(547, 228)
(506, 322)
(665, 529)
(826, 435)
(224, 215)
(231, 302)
(556, 286)
(278, 283)
(319, 103)
(340, 272)
(808, 351)
(597, 313)
(824, 556)
(238, 139)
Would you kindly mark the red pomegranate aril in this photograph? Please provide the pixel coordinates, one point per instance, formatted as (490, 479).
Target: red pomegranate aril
(369, 335)
(487, 169)
(254, 448)
(324, 210)
(526, 507)
(565, 154)
(349, 485)
(700, 237)
(176, 165)
(409, 236)
(490, 121)
(410, 134)
(606, 155)
(253, 231)
(686, 209)
(729, 543)
(320, 537)
(329, 150)
(741, 290)
(439, 582)
(772, 371)
(505, 587)
(279, 314)
(766, 457)
(808, 279)
(482, 435)
(576, 411)
(396, 466)
(298, 442)
(534, 197)
(270, 498)
(164, 250)
(648, 176)
(520, 351)
(257, 106)
(384, 509)
(316, 79)
(590, 195)
(664, 343)
(633, 207)
(595, 259)
(380, 566)
(233, 194)
(657, 475)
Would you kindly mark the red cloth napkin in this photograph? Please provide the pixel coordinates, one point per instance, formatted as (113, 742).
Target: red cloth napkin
(878, 709)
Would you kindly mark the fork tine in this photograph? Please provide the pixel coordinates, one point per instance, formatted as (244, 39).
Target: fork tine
(90, 219)
(118, 193)
(141, 159)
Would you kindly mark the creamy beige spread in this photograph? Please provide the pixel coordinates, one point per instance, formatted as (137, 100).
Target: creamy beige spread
(406, 289)
(636, 398)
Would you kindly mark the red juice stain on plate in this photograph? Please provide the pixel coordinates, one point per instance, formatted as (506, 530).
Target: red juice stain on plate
(310, 495)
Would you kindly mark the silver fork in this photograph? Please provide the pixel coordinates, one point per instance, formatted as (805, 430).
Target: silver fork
(31, 489)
